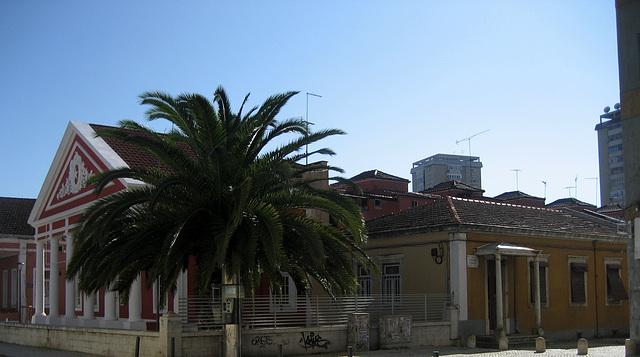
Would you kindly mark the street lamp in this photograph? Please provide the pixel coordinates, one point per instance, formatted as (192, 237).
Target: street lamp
(20, 266)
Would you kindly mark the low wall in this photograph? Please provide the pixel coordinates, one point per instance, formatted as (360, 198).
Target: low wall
(104, 342)
(432, 334)
(255, 342)
(295, 341)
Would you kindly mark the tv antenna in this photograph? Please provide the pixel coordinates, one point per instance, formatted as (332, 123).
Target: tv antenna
(469, 139)
(517, 184)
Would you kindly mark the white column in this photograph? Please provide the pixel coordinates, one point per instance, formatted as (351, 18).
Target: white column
(458, 268)
(135, 321)
(89, 302)
(39, 286)
(181, 291)
(135, 301)
(499, 316)
(22, 257)
(109, 304)
(54, 310)
(536, 279)
(69, 288)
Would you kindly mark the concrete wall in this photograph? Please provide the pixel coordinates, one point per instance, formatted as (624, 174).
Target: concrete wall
(94, 341)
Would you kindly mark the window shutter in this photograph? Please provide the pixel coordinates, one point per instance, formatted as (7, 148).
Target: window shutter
(577, 286)
(615, 283)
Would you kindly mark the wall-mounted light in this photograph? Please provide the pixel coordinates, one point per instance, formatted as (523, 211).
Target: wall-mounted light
(437, 254)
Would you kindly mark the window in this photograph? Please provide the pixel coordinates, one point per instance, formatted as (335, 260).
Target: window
(615, 148)
(5, 287)
(14, 288)
(391, 283)
(286, 299)
(47, 274)
(414, 203)
(615, 288)
(364, 281)
(165, 304)
(543, 282)
(577, 281)
(377, 204)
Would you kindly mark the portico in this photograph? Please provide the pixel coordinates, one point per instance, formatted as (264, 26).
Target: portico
(495, 255)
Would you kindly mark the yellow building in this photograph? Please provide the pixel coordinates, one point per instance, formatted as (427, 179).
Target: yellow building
(485, 255)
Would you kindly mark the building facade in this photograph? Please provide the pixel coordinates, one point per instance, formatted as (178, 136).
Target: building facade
(489, 256)
(61, 202)
(628, 26)
(610, 158)
(382, 194)
(17, 258)
(439, 168)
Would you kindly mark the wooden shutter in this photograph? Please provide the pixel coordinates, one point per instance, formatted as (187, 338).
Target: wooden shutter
(578, 294)
(614, 283)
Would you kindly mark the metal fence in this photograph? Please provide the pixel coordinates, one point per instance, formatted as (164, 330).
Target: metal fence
(265, 311)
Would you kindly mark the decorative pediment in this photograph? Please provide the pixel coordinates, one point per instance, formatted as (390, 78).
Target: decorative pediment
(77, 176)
(69, 187)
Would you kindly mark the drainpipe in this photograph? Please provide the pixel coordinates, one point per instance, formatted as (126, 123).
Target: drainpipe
(595, 282)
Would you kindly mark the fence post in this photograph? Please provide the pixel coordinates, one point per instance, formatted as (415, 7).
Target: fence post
(426, 316)
(171, 333)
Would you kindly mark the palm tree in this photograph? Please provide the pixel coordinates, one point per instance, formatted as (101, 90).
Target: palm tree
(224, 193)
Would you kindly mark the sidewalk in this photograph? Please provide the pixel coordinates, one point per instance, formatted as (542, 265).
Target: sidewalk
(598, 348)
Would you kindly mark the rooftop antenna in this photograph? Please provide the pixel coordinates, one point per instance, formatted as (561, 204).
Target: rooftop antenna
(469, 139)
(576, 186)
(517, 185)
(594, 178)
(570, 187)
(307, 122)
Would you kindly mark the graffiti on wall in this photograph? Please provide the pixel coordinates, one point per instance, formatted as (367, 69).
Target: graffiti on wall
(313, 340)
(263, 341)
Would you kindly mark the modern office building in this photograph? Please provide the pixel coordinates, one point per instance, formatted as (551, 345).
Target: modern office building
(439, 168)
(610, 157)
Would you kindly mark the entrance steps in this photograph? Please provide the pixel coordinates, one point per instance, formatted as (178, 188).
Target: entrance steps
(515, 341)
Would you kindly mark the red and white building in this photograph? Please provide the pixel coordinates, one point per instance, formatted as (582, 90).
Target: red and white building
(61, 201)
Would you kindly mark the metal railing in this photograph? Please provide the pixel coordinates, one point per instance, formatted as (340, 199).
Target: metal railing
(265, 311)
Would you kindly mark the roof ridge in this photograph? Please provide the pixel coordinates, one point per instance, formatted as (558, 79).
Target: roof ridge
(453, 212)
(506, 204)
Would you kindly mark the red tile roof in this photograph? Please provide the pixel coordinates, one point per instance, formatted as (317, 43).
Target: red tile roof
(452, 213)
(376, 174)
(14, 213)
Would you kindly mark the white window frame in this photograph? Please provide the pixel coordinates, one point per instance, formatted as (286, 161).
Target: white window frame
(288, 300)
(582, 260)
(541, 258)
(611, 261)
(364, 281)
(391, 281)
(5, 288)
(165, 309)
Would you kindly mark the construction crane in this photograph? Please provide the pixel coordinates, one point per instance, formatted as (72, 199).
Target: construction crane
(469, 139)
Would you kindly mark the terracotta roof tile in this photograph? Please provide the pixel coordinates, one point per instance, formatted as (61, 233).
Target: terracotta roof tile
(376, 174)
(453, 211)
(14, 213)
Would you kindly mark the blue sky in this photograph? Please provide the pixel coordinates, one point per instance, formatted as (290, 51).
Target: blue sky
(405, 80)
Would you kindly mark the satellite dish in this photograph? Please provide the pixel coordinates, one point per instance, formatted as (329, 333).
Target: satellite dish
(616, 106)
(607, 109)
